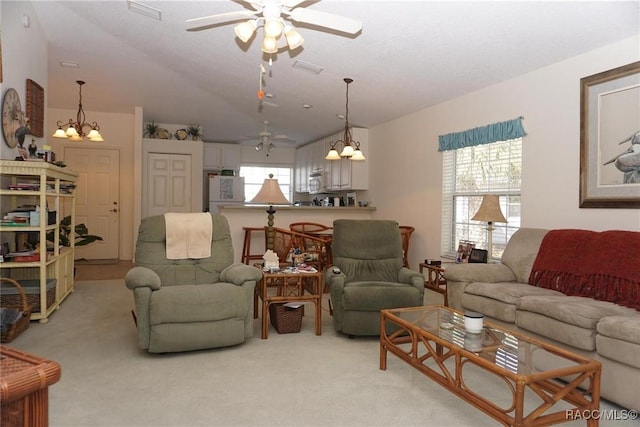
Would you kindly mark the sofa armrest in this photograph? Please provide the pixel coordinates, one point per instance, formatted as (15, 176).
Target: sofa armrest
(460, 275)
(139, 277)
(240, 273)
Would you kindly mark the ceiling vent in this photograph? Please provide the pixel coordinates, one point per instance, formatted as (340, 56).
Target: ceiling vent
(305, 66)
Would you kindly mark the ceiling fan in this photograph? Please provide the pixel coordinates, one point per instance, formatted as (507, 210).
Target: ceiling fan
(273, 15)
(266, 139)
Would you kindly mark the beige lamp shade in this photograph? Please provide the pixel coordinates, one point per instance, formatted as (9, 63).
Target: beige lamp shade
(270, 193)
(489, 210)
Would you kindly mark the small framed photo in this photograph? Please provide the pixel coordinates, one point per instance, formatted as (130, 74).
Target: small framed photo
(478, 256)
(464, 250)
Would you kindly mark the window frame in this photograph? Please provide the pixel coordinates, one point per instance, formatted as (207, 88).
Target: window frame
(459, 205)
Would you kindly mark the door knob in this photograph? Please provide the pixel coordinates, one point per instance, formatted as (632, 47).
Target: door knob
(113, 210)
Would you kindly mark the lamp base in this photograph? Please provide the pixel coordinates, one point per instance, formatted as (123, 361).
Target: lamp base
(270, 230)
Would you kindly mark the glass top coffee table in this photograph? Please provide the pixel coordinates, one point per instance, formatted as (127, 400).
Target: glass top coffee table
(557, 383)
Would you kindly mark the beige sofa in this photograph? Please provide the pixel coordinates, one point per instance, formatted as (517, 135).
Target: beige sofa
(606, 331)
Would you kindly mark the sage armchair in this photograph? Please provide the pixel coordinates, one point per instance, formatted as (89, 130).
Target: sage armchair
(190, 304)
(372, 275)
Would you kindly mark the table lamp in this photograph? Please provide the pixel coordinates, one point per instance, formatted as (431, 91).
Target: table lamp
(270, 194)
(490, 212)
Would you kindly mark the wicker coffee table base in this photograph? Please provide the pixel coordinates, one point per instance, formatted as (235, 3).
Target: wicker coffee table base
(428, 354)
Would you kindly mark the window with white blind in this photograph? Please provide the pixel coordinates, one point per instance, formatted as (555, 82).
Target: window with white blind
(468, 174)
(254, 177)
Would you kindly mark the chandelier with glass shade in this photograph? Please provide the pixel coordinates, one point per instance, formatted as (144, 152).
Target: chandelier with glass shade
(350, 148)
(75, 130)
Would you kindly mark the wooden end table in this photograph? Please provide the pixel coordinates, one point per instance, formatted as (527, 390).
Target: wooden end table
(435, 280)
(24, 388)
(290, 286)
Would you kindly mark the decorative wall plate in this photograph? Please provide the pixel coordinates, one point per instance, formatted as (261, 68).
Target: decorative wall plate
(163, 134)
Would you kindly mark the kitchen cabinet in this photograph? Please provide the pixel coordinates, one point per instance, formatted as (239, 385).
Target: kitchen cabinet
(304, 168)
(52, 188)
(348, 174)
(221, 156)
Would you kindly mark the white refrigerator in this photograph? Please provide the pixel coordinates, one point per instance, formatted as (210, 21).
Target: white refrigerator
(225, 190)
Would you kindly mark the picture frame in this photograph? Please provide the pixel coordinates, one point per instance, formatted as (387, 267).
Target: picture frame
(609, 134)
(464, 250)
(478, 256)
(35, 108)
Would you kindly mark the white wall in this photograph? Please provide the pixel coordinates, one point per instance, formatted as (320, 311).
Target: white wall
(549, 99)
(24, 57)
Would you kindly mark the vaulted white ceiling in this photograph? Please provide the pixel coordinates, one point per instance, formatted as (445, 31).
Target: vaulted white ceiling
(409, 55)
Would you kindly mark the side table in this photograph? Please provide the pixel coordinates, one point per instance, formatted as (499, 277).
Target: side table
(290, 286)
(435, 280)
(24, 388)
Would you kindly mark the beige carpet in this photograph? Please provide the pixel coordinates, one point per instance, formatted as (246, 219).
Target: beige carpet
(295, 379)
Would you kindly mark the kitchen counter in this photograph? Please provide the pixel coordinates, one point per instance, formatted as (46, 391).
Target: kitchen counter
(255, 216)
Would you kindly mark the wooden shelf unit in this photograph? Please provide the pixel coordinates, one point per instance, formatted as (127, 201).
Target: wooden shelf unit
(58, 262)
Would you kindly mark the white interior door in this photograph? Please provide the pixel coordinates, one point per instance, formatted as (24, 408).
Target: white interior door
(97, 199)
(169, 186)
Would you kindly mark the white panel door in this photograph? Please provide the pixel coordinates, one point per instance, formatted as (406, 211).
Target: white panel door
(97, 199)
(168, 183)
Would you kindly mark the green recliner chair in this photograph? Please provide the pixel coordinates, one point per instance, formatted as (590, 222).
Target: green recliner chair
(190, 304)
(372, 275)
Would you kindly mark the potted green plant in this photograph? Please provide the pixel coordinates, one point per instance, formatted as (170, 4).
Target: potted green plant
(151, 129)
(81, 234)
(195, 131)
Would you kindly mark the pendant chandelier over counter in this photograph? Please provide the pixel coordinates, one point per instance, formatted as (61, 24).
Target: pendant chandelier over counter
(75, 130)
(351, 149)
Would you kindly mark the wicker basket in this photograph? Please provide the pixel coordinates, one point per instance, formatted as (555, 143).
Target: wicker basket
(286, 320)
(14, 329)
(31, 289)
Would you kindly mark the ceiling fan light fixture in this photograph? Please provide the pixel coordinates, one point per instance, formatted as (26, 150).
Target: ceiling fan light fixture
(245, 30)
(271, 147)
(294, 39)
(269, 45)
(272, 28)
(259, 146)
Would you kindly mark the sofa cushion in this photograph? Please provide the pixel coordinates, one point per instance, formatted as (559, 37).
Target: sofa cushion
(579, 311)
(498, 300)
(619, 339)
(570, 320)
(625, 328)
(216, 301)
(376, 296)
(508, 292)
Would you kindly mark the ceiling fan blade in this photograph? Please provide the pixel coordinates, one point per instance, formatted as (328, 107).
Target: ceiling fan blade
(327, 20)
(205, 22)
(292, 3)
(283, 137)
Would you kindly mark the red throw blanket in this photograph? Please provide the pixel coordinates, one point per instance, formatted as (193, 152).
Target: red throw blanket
(601, 265)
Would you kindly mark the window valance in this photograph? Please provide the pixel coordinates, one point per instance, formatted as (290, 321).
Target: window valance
(502, 131)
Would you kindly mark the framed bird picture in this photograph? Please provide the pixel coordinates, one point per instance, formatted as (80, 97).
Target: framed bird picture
(610, 138)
